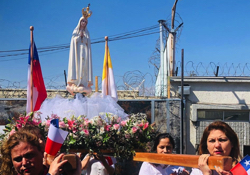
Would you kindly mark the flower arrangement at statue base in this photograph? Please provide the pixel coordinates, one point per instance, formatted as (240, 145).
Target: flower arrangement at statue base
(103, 135)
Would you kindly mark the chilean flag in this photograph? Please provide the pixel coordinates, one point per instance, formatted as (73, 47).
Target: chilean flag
(39, 91)
(243, 167)
(110, 160)
(55, 138)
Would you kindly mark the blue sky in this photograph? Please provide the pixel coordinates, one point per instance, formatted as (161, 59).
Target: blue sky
(214, 31)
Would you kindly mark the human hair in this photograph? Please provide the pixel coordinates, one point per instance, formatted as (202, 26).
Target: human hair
(229, 132)
(9, 144)
(33, 130)
(162, 136)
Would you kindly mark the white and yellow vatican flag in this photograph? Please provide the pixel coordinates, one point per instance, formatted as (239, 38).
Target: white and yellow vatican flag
(108, 80)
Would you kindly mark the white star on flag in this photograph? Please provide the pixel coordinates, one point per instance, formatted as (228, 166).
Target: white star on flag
(247, 162)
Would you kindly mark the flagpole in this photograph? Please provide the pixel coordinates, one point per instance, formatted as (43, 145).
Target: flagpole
(107, 67)
(31, 67)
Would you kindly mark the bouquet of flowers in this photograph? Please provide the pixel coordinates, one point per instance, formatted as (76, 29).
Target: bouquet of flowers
(100, 134)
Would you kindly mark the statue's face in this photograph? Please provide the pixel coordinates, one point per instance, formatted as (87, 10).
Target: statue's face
(83, 23)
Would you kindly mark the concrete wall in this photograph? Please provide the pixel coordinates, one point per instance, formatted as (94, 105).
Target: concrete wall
(213, 93)
(22, 93)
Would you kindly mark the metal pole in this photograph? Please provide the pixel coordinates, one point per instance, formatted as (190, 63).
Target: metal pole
(31, 67)
(162, 57)
(168, 115)
(182, 75)
(152, 111)
(65, 77)
(107, 67)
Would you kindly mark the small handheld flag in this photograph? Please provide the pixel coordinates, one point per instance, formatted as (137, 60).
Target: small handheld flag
(55, 138)
(243, 167)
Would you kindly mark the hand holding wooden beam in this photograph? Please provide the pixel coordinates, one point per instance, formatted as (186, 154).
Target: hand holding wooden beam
(224, 162)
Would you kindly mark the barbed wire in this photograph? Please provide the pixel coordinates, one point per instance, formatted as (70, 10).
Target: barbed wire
(133, 80)
(138, 81)
(192, 69)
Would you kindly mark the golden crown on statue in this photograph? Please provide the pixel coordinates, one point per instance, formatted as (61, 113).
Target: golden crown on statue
(86, 13)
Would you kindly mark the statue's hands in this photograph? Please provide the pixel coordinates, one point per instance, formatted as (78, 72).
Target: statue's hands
(90, 84)
(81, 34)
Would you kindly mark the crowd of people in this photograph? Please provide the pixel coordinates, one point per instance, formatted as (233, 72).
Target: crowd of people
(23, 154)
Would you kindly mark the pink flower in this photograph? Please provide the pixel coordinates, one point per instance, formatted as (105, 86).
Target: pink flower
(127, 136)
(86, 122)
(107, 127)
(12, 132)
(134, 129)
(116, 126)
(99, 122)
(19, 126)
(23, 120)
(34, 122)
(140, 125)
(119, 119)
(47, 123)
(124, 122)
(62, 125)
(71, 123)
(74, 130)
(86, 132)
(53, 116)
(145, 126)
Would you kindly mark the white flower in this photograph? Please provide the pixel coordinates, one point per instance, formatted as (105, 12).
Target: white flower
(102, 130)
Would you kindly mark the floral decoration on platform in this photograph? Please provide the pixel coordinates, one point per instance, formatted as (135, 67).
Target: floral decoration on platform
(106, 134)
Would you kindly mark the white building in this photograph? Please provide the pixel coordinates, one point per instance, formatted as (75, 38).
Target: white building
(213, 98)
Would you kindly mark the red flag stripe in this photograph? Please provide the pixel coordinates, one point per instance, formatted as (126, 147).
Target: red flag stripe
(110, 162)
(52, 147)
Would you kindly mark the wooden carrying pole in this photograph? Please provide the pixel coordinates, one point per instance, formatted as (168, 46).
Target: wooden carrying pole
(96, 83)
(107, 66)
(31, 67)
(224, 162)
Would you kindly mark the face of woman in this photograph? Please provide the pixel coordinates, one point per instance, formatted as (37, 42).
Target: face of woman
(83, 23)
(164, 146)
(27, 159)
(218, 144)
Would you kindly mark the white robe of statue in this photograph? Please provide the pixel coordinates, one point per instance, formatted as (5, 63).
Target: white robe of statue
(80, 75)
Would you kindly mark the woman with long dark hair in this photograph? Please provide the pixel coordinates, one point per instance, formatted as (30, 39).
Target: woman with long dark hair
(218, 139)
(163, 144)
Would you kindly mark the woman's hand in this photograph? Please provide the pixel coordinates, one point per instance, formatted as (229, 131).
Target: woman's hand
(100, 157)
(85, 161)
(222, 172)
(109, 168)
(47, 159)
(56, 165)
(202, 164)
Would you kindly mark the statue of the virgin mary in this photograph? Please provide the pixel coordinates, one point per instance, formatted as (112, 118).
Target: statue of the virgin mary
(80, 74)
(80, 81)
